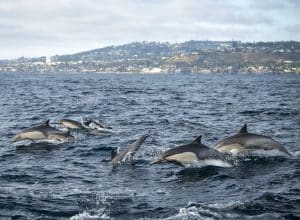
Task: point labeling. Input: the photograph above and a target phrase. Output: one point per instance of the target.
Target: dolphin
(62, 137)
(70, 124)
(39, 132)
(243, 141)
(93, 125)
(193, 154)
(128, 153)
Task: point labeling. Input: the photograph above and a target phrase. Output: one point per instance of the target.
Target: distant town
(154, 57)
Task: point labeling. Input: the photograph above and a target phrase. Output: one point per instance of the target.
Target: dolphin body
(40, 132)
(243, 142)
(70, 124)
(62, 137)
(193, 154)
(128, 153)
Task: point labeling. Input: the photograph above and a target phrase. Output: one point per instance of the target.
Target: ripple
(76, 180)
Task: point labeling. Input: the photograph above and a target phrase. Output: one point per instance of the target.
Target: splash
(208, 162)
(87, 216)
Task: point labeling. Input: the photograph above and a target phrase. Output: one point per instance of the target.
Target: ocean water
(76, 181)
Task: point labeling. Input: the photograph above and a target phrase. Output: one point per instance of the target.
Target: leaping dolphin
(40, 132)
(128, 153)
(193, 154)
(243, 141)
(94, 126)
(90, 124)
(70, 124)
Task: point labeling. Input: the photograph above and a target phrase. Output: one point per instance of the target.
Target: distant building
(48, 60)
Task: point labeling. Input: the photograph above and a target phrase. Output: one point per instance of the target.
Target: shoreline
(148, 73)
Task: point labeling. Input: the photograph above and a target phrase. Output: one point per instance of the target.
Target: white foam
(100, 131)
(194, 212)
(23, 143)
(208, 162)
(266, 153)
(47, 141)
(86, 216)
(296, 153)
(216, 211)
(259, 153)
(54, 141)
(235, 151)
(190, 212)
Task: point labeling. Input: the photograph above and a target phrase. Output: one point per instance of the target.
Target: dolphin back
(194, 151)
(39, 132)
(257, 142)
(244, 141)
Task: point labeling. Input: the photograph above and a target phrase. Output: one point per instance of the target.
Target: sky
(34, 28)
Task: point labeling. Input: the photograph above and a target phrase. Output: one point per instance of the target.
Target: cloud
(34, 28)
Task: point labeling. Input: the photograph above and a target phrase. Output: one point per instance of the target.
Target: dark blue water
(76, 180)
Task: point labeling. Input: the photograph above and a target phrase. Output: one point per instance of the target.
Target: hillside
(187, 57)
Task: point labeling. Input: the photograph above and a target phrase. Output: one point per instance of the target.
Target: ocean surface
(76, 181)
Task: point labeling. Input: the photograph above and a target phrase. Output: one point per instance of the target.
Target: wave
(296, 154)
(208, 162)
(45, 141)
(89, 216)
(266, 206)
(260, 153)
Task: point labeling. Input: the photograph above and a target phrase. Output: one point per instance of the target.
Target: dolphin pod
(194, 153)
(45, 131)
(87, 124)
(191, 154)
(243, 142)
(42, 132)
(199, 154)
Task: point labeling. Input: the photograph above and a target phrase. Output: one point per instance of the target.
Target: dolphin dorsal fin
(243, 129)
(114, 153)
(198, 140)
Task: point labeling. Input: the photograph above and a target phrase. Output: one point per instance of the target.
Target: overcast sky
(49, 27)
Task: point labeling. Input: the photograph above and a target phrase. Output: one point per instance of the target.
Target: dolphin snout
(156, 161)
(15, 139)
